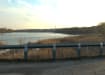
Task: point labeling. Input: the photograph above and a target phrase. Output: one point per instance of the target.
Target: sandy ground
(77, 67)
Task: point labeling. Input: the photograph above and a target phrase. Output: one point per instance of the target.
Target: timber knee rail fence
(54, 47)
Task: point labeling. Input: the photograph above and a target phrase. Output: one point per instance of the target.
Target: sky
(39, 14)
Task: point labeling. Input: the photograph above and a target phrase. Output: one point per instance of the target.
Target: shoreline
(61, 53)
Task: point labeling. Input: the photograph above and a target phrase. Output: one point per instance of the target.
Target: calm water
(24, 37)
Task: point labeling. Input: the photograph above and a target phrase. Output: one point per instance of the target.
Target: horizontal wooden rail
(51, 45)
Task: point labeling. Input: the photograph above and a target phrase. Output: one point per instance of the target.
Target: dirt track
(77, 67)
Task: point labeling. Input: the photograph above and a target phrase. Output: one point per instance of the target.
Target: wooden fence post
(101, 48)
(54, 52)
(78, 50)
(26, 52)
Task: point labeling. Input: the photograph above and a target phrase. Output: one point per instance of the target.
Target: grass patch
(45, 54)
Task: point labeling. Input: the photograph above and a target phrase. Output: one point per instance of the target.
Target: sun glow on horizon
(41, 14)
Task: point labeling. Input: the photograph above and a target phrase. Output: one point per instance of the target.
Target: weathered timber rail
(55, 46)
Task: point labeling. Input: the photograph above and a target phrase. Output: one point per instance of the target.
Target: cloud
(48, 13)
(24, 15)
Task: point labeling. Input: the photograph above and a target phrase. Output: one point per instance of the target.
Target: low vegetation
(61, 53)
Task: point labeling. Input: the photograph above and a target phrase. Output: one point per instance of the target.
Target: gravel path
(77, 67)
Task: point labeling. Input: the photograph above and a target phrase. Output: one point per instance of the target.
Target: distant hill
(5, 30)
(75, 30)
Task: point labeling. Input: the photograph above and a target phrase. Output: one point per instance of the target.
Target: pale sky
(20, 14)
